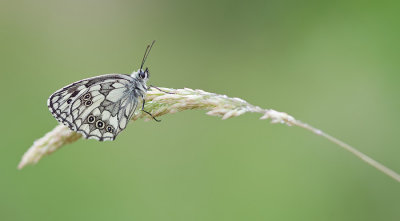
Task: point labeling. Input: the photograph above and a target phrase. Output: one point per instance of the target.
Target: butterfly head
(141, 75)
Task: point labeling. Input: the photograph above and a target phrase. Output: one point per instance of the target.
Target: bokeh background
(333, 64)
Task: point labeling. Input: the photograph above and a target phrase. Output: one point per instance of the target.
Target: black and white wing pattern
(98, 108)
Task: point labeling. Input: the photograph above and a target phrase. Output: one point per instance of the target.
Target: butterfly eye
(100, 124)
(69, 101)
(109, 129)
(87, 96)
(142, 75)
(88, 103)
(91, 119)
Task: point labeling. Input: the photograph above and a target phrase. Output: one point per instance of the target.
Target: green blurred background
(333, 64)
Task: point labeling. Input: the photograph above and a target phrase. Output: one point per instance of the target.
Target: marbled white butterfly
(101, 107)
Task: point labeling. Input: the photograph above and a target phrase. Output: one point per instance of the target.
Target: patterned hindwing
(98, 108)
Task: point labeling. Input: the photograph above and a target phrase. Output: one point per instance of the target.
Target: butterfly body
(100, 107)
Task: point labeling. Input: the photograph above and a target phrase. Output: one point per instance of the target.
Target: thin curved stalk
(175, 100)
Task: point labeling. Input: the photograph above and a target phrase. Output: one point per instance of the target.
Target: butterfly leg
(149, 112)
(160, 89)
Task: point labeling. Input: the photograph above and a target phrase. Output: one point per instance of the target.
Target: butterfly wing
(98, 108)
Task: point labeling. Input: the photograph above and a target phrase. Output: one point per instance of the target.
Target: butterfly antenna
(146, 54)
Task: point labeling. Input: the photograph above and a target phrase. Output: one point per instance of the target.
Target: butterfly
(100, 107)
